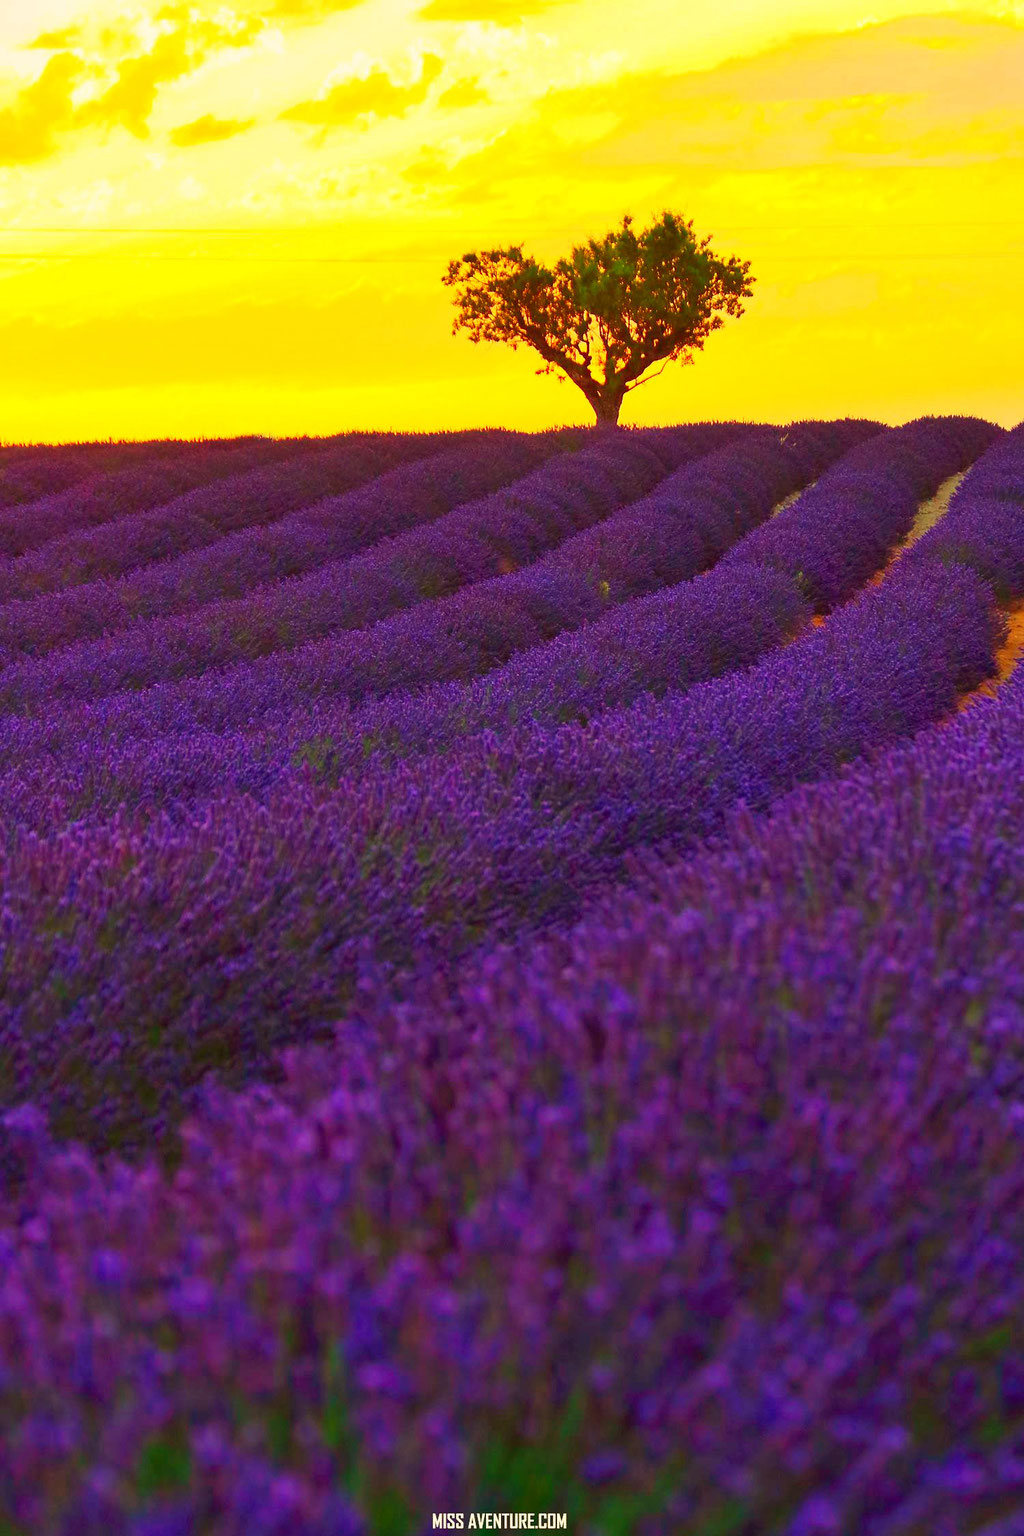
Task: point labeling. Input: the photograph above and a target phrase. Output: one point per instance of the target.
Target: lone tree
(610, 311)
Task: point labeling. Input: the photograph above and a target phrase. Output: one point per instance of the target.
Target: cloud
(957, 58)
(209, 130)
(375, 94)
(307, 10)
(464, 93)
(30, 128)
(503, 13)
(925, 91)
(66, 37)
(126, 70)
(129, 101)
(427, 170)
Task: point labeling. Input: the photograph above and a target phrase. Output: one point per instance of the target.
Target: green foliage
(729, 1520)
(164, 1466)
(993, 1344)
(518, 1476)
(335, 1426)
(317, 753)
(526, 1475)
(389, 1513)
(607, 313)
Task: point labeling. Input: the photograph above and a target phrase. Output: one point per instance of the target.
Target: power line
(847, 257)
(356, 261)
(321, 229)
(282, 231)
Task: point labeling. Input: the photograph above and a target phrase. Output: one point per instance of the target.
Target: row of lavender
(322, 530)
(258, 494)
(140, 957)
(708, 502)
(100, 498)
(419, 493)
(477, 538)
(705, 1216)
(28, 474)
(668, 634)
(675, 636)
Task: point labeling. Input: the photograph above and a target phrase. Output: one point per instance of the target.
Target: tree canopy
(609, 312)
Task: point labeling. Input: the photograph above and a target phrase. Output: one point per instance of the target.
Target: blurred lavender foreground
(619, 1028)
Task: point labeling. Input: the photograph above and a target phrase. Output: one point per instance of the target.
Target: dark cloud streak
(30, 128)
(209, 130)
(52, 42)
(44, 114)
(504, 13)
(375, 95)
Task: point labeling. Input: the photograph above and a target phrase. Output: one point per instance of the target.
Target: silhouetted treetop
(607, 313)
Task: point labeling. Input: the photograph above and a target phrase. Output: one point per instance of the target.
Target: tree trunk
(606, 408)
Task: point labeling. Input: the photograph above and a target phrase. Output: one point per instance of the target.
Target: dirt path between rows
(1012, 649)
(1007, 656)
(928, 514)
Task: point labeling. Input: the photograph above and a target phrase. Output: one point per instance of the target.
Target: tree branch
(637, 382)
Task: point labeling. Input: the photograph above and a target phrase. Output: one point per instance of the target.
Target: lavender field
(512, 982)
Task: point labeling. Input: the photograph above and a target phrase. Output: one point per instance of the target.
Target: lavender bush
(619, 1115)
(28, 473)
(468, 543)
(869, 510)
(101, 498)
(205, 514)
(696, 631)
(982, 527)
(332, 528)
(651, 644)
(670, 639)
(477, 628)
(703, 1216)
(149, 956)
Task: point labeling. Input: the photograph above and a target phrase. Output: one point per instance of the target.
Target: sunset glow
(228, 218)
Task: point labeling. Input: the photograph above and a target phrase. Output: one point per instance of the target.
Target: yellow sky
(224, 218)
